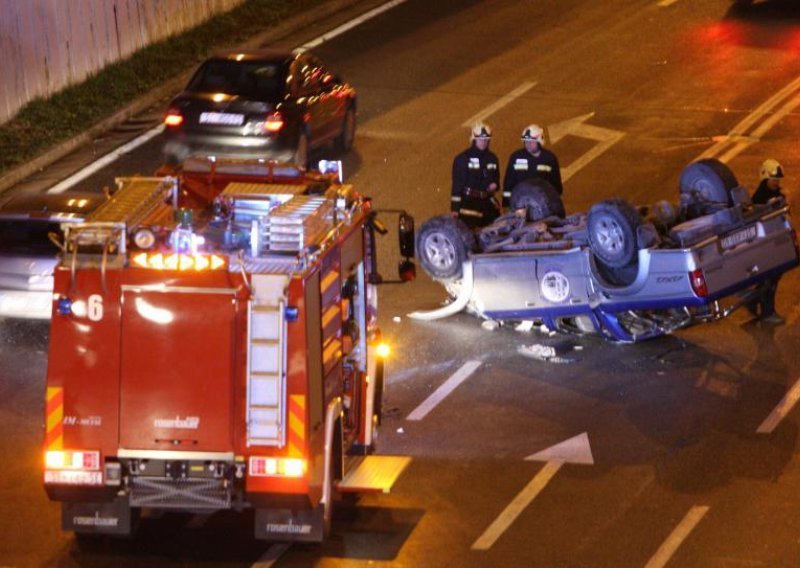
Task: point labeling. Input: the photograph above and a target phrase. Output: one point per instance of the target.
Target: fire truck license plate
(226, 118)
(739, 237)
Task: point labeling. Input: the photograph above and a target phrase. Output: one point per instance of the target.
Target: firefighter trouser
(478, 212)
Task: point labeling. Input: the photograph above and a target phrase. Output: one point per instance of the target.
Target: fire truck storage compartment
(177, 369)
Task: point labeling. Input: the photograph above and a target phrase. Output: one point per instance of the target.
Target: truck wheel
(443, 244)
(708, 181)
(538, 197)
(612, 225)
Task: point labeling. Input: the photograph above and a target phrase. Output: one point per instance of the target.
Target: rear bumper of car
(23, 304)
(271, 148)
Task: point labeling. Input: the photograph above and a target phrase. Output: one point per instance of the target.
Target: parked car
(270, 104)
(28, 254)
(627, 273)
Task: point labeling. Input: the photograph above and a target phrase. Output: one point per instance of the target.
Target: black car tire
(348, 134)
(708, 181)
(300, 157)
(443, 244)
(612, 227)
(538, 197)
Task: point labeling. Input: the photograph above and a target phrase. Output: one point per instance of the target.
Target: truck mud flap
(290, 525)
(114, 517)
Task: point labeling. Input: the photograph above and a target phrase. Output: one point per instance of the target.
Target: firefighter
(533, 160)
(476, 177)
(769, 188)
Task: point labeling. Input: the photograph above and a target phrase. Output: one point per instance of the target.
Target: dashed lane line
(681, 532)
(519, 504)
(351, 24)
(503, 101)
(444, 389)
(779, 412)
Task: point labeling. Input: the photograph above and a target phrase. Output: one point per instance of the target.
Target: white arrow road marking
(577, 127)
(779, 412)
(669, 546)
(738, 136)
(272, 555)
(493, 108)
(575, 450)
(444, 389)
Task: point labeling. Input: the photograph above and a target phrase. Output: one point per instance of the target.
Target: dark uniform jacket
(764, 193)
(473, 171)
(523, 165)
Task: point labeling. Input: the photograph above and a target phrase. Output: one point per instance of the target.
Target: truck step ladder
(266, 365)
(373, 474)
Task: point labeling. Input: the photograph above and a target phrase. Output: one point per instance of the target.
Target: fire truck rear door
(177, 369)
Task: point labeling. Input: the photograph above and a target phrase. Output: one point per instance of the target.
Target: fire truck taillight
(273, 122)
(72, 467)
(276, 467)
(181, 262)
(173, 118)
(698, 280)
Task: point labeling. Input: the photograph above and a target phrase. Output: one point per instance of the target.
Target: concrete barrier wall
(46, 45)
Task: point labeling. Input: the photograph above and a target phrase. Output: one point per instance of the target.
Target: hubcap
(610, 236)
(440, 251)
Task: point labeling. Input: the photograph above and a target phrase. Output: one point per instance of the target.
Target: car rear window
(27, 237)
(250, 79)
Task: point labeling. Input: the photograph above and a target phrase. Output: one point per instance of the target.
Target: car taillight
(273, 122)
(173, 118)
(698, 280)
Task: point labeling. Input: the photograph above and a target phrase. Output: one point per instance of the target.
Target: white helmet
(481, 131)
(533, 132)
(771, 169)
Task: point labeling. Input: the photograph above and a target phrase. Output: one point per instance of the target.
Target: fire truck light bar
(180, 262)
(274, 467)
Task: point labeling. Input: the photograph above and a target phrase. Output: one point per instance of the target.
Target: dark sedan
(269, 104)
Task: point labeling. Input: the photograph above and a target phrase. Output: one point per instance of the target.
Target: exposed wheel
(348, 134)
(538, 197)
(708, 181)
(443, 244)
(612, 225)
(301, 151)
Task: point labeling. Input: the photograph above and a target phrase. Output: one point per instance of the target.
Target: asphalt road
(640, 455)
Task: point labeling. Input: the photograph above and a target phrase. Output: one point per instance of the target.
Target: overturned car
(628, 273)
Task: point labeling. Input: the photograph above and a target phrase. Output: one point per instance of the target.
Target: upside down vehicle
(213, 347)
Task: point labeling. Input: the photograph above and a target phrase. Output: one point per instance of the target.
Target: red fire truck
(214, 346)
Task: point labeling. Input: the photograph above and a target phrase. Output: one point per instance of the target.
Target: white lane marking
(664, 3)
(738, 135)
(272, 555)
(575, 450)
(515, 508)
(503, 101)
(136, 142)
(756, 135)
(444, 389)
(779, 412)
(105, 160)
(669, 546)
(577, 127)
(351, 24)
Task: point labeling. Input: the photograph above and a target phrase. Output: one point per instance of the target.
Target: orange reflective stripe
(297, 425)
(54, 436)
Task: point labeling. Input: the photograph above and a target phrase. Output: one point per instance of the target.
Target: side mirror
(405, 230)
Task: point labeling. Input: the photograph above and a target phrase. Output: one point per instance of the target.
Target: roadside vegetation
(42, 123)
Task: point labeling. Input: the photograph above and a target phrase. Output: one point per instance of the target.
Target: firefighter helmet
(481, 131)
(533, 132)
(771, 169)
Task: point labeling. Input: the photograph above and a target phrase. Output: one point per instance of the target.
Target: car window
(23, 236)
(249, 79)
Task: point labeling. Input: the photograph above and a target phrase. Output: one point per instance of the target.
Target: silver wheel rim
(610, 236)
(440, 251)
